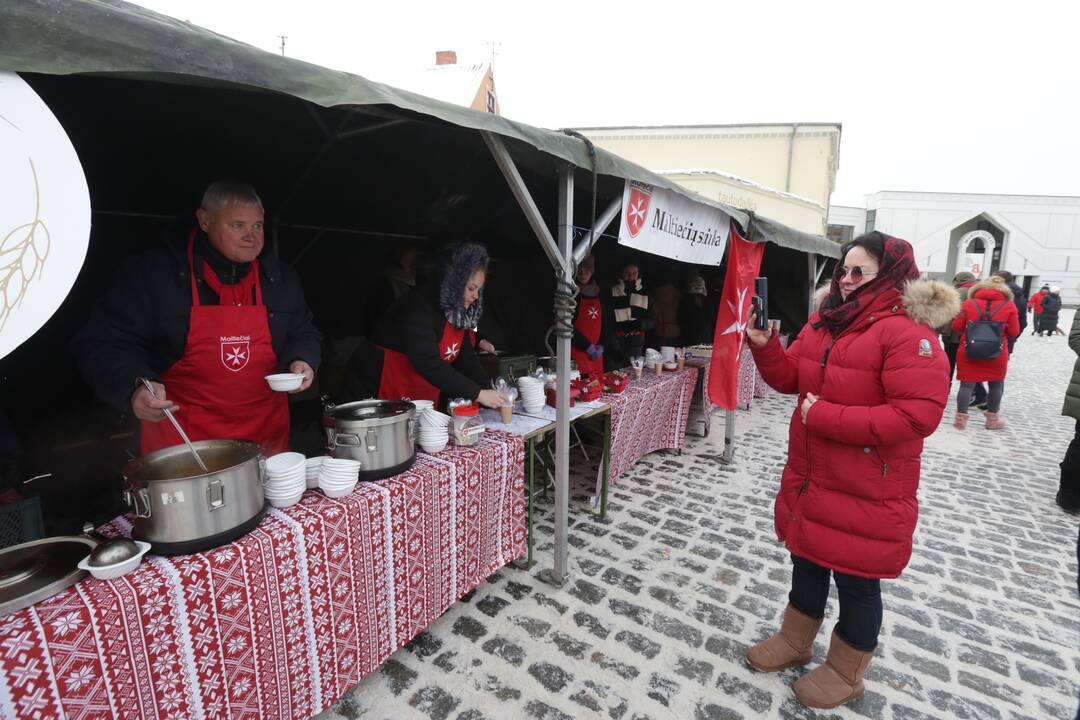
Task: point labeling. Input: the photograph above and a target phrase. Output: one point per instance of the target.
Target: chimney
(445, 57)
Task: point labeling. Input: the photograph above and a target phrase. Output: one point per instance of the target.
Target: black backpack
(983, 336)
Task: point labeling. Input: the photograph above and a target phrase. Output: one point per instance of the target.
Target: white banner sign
(44, 215)
(666, 223)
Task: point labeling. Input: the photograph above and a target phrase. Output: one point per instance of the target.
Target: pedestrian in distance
(872, 382)
(984, 357)
(1035, 307)
(1051, 308)
(951, 338)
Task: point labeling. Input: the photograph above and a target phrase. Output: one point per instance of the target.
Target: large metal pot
(377, 433)
(179, 509)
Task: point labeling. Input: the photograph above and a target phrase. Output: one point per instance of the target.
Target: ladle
(180, 430)
(110, 550)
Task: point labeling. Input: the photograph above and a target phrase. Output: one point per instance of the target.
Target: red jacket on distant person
(984, 297)
(847, 498)
(1035, 303)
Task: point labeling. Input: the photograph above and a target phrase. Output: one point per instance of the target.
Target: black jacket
(140, 328)
(1051, 306)
(1021, 300)
(414, 326)
(696, 323)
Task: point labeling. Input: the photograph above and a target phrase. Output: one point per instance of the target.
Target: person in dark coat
(872, 383)
(204, 318)
(1020, 298)
(1051, 307)
(993, 300)
(697, 316)
(631, 312)
(951, 338)
(423, 349)
(1068, 495)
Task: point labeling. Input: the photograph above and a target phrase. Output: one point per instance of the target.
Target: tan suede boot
(838, 680)
(994, 421)
(792, 645)
(961, 421)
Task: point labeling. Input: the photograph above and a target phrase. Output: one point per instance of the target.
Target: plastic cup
(659, 368)
(637, 373)
(507, 414)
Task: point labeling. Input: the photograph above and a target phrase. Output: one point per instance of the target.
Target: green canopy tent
(156, 108)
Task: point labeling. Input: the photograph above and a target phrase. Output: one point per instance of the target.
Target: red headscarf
(897, 269)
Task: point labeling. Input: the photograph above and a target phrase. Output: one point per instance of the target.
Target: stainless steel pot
(377, 433)
(180, 509)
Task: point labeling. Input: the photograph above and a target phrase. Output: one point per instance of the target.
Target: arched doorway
(975, 253)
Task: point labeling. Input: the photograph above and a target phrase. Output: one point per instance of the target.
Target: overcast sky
(942, 96)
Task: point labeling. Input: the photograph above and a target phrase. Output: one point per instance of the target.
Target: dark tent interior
(343, 187)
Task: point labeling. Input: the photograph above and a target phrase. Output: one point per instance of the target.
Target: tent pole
(815, 273)
(558, 575)
(521, 194)
(602, 222)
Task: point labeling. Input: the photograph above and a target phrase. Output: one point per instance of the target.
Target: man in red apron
(586, 347)
(245, 319)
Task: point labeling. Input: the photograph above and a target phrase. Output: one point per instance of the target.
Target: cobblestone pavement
(666, 595)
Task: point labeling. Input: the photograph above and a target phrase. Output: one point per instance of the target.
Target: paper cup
(507, 414)
(659, 368)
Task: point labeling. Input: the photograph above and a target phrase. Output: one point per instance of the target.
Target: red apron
(219, 382)
(399, 378)
(588, 323)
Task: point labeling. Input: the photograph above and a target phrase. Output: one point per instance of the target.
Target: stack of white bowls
(422, 406)
(532, 393)
(338, 476)
(285, 479)
(434, 431)
(311, 470)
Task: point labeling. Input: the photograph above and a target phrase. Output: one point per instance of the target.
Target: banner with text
(666, 223)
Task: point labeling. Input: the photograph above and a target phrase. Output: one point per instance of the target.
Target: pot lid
(371, 409)
(37, 570)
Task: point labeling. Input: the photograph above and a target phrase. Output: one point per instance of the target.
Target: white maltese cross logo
(235, 355)
(593, 313)
(739, 326)
(452, 352)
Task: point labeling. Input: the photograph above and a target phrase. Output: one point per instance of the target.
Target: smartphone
(760, 303)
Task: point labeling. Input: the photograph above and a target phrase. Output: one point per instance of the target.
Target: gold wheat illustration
(23, 252)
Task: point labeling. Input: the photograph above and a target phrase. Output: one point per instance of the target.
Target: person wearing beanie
(951, 338)
(1051, 307)
(990, 300)
(697, 316)
(587, 346)
(423, 349)
(632, 312)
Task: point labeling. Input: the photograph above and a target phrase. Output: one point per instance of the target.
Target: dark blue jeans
(860, 601)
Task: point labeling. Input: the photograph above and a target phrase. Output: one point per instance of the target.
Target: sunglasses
(856, 273)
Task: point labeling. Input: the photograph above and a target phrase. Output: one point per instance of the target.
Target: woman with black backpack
(987, 319)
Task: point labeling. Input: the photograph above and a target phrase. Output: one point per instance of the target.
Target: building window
(841, 234)
(871, 216)
(491, 101)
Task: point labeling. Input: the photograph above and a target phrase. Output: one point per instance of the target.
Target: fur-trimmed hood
(992, 283)
(925, 301)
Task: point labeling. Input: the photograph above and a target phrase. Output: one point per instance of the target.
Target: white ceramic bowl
(283, 462)
(671, 365)
(279, 489)
(422, 405)
(432, 448)
(287, 501)
(109, 572)
(339, 492)
(285, 382)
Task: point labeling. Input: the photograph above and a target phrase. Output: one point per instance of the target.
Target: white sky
(940, 96)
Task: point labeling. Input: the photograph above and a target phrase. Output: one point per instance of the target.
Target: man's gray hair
(223, 192)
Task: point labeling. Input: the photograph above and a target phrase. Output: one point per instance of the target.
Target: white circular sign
(44, 215)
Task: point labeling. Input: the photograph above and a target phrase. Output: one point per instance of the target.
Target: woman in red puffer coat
(990, 299)
(873, 381)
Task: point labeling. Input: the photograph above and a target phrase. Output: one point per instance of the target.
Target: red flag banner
(744, 262)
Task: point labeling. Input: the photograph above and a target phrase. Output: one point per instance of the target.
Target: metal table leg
(531, 478)
(606, 462)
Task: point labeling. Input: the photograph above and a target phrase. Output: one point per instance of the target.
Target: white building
(1035, 237)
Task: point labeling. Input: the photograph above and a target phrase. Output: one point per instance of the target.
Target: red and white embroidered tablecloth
(282, 622)
(649, 415)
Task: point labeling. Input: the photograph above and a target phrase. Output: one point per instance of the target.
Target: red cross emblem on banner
(637, 207)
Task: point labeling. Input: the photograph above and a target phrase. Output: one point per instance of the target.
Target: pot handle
(215, 494)
(133, 496)
(347, 439)
(262, 470)
(372, 440)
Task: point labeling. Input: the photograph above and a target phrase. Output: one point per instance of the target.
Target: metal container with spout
(377, 433)
(180, 509)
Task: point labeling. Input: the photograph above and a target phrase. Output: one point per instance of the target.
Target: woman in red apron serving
(423, 349)
(244, 314)
(586, 347)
